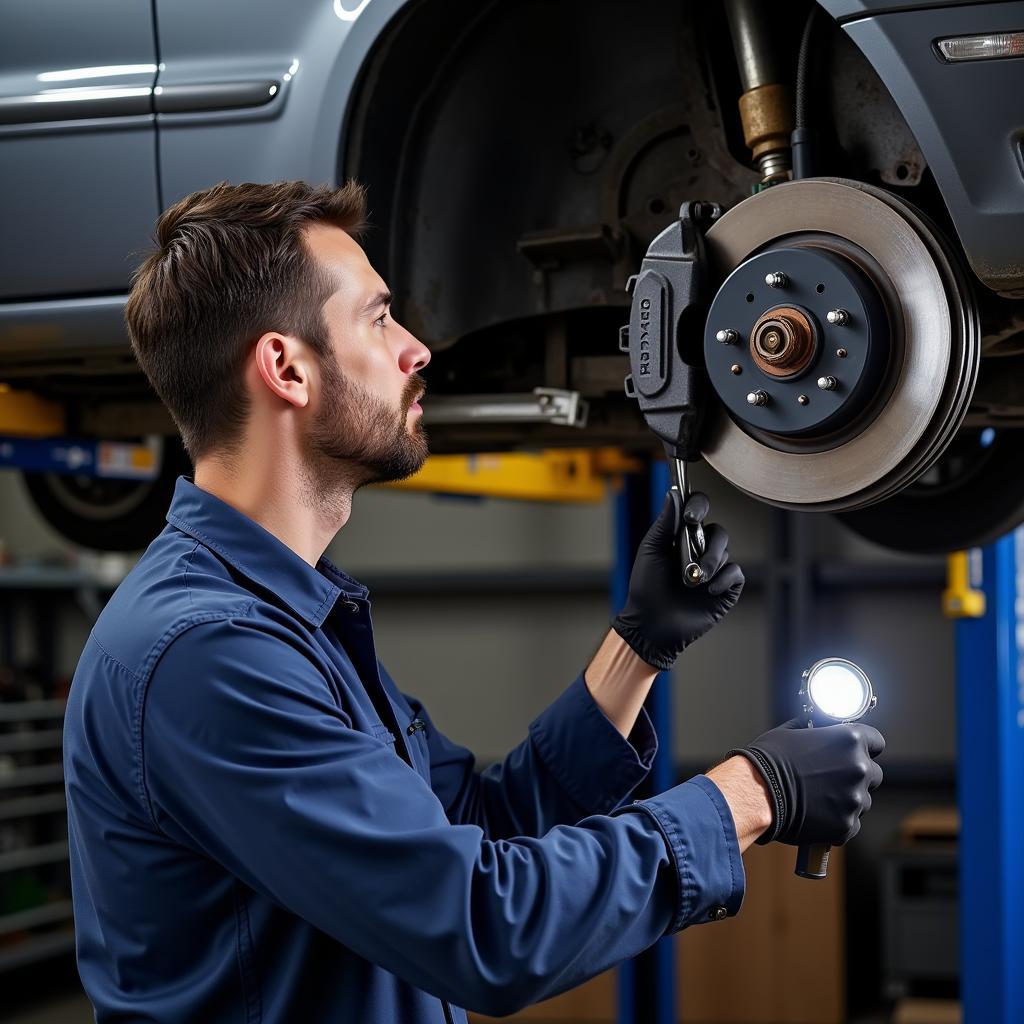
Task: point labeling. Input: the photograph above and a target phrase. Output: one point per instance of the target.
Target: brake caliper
(670, 297)
(664, 342)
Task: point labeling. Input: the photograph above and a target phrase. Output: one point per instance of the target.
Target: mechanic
(262, 826)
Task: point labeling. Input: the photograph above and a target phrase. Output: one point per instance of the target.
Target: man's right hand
(820, 780)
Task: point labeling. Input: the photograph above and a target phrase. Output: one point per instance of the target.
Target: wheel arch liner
(968, 120)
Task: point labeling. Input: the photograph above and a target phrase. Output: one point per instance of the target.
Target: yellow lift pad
(23, 414)
(960, 600)
(561, 474)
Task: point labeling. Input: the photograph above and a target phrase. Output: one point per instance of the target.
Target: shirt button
(351, 606)
(718, 914)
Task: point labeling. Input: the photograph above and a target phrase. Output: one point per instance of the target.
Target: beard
(358, 439)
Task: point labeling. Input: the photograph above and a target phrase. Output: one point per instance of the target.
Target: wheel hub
(841, 344)
(816, 373)
(782, 342)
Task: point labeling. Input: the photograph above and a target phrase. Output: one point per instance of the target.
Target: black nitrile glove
(663, 615)
(820, 779)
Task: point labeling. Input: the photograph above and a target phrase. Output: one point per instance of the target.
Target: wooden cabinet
(780, 961)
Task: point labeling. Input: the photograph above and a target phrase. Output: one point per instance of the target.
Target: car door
(78, 169)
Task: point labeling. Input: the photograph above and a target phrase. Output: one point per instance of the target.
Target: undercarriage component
(766, 106)
(895, 363)
(542, 405)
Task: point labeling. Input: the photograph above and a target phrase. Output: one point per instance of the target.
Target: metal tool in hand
(836, 689)
(689, 536)
(664, 339)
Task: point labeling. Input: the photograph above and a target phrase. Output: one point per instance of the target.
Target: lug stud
(802, 399)
(777, 279)
(758, 397)
(838, 317)
(736, 369)
(828, 383)
(841, 352)
(727, 336)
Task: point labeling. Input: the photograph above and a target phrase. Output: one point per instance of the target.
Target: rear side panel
(311, 50)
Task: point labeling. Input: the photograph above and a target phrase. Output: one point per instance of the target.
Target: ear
(285, 366)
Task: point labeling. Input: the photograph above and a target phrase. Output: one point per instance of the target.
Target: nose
(414, 354)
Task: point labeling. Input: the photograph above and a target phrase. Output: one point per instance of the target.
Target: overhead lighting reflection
(104, 93)
(104, 71)
(347, 13)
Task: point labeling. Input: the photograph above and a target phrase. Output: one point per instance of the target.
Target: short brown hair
(231, 264)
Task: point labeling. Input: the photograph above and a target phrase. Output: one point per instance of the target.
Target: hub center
(782, 342)
(797, 342)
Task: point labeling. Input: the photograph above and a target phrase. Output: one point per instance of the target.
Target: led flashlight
(837, 689)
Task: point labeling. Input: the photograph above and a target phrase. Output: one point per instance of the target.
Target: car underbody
(521, 157)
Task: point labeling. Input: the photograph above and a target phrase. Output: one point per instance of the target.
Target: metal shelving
(35, 903)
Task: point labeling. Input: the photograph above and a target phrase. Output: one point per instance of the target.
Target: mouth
(415, 406)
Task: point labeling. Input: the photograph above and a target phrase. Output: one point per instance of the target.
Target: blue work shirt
(264, 829)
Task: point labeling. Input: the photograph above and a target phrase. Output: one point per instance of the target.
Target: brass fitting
(767, 116)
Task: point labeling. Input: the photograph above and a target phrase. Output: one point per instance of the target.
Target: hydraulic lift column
(990, 756)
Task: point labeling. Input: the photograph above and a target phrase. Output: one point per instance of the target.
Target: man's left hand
(662, 615)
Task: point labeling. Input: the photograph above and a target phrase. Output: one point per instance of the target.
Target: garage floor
(75, 1009)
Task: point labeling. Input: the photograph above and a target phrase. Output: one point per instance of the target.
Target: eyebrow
(380, 299)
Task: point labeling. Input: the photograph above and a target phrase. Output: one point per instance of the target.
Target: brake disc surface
(905, 416)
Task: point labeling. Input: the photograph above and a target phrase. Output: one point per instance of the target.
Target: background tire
(971, 496)
(109, 515)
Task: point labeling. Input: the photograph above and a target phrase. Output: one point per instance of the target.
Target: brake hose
(800, 140)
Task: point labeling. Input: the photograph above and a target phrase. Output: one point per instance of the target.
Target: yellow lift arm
(563, 474)
(560, 474)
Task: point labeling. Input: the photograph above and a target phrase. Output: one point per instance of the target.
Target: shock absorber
(766, 107)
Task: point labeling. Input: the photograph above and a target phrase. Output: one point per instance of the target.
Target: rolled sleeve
(701, 836)
(587, 755)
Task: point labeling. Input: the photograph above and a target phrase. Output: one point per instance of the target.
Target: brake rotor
(844, 345)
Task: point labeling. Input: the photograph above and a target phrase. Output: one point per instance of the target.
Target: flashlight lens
(839, 690)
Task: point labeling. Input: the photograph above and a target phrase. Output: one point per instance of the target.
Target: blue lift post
(657, 1005)
(990, 740)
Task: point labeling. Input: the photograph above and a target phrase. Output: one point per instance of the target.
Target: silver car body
(96, 136)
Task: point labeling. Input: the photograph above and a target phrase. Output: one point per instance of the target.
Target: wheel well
(521, 155)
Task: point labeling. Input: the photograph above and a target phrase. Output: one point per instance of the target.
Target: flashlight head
(837, 689)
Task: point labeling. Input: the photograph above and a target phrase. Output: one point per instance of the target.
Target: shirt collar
(257, 554)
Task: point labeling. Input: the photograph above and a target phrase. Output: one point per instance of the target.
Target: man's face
(368, 413)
